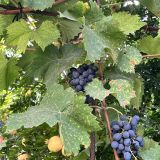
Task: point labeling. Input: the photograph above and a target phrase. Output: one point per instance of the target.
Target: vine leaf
(50, 64)
(127, 23)
(122, 90)
(9, 71)
(110, 35)
(38, 4)
(95, 13)
(69, 29)
(65, 108)
(139, 90)
(152, 5)
(128, 60)
(93, 44)
(5, 20)
(19, 34)
(149, 45)
(151, 148)
(96, 90)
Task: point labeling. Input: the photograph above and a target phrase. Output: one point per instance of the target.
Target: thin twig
(104, 107)
(92, 146)
(151, 56)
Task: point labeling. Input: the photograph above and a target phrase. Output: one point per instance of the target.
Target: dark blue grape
(90, 77)
(90, 71)
(134, 122)
(117, 136)
(116, 127)
(123, 117)
(82, 82)
(75, 74)
(127, 142)
(81, 77)
(85, 74)
(136, 117)
(79, 88)
(121, 147)
(75, 82)
(85, 66)
(127, 127)
(89, 100)
(127, 148)
(73, 69)
(120, 123)
(114, 144)
(131, 133)
(136, 145)
(114, 123)
(141, 144)
(127, 155)
(125, 134)
(139, 139)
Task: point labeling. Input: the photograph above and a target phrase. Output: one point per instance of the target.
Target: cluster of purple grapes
(125, 139)
(79, 77)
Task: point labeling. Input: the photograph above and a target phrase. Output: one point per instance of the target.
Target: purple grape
(85, 74)
(123, 117)
(120, 123)
(131, 133)
(141, 144)
(134, 122)
(127, 142)
(82, 82)
(136, 117)
(117, 136)
(81, 77)
(74, 82)
(136, 145)
(114, 123)
(121, 147)
(114, 144)
(90, 77)
(127, 149)
(139, 139)
(125, 134)
(90, 71)
(127, 156)
(79, 88)
(127, 127)
(75, 74)
(116, 127)
(89, 100)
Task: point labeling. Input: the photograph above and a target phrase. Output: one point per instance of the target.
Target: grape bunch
(79, 77)
(125, 139)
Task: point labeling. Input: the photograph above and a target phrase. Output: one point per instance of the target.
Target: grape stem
(104, 107)
(115, 110)
(133, 155)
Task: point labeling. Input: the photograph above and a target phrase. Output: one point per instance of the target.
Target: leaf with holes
(96, 90)
(65, 108)
(122, 90)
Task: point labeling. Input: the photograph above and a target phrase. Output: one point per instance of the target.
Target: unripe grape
(55, 144)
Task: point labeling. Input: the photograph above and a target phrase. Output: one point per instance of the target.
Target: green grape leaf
(149, 45)
(93, 44)
(46, 34)
(38, 4)
(152, 5)
(151, 149)
(127, 23)
(122, 90)
(9, 71)
(60, 106)
(19, 34)
(94, 14)
(139, 90)
(96, 90)
(69, 29)
(112, 37)
(5, 20)
(129, 59)
(50, 64)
